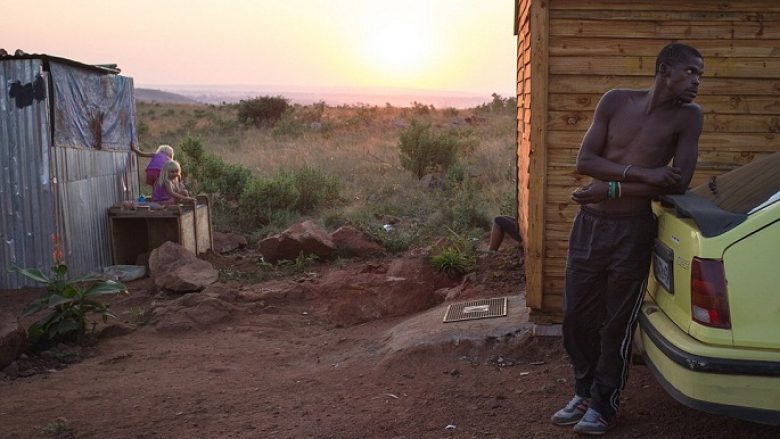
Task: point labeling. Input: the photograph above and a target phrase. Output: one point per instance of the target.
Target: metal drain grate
(476, 309)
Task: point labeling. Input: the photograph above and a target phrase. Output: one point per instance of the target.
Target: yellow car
(709, 328)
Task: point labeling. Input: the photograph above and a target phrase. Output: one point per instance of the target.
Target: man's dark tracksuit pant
(608, 262)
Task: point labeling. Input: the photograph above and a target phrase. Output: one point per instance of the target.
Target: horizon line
(380, 90)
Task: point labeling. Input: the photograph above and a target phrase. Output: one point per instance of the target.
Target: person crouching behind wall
(503, 225)
(163, 155)
(169, 189)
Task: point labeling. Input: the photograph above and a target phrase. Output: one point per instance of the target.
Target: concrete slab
(427, 328)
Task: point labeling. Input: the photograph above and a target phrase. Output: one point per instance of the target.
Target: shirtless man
(626, 150)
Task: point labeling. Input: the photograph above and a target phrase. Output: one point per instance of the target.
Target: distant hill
(163, 97)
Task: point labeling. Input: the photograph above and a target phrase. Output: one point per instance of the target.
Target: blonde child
(168, 189)
(163, 155)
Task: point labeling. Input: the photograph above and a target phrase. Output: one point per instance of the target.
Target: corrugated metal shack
(569, 52)
(65, 135)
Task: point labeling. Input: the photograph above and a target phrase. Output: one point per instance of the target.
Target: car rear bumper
(707, 378)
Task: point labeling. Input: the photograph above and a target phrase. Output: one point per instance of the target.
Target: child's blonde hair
(165, 172)
(166, 149)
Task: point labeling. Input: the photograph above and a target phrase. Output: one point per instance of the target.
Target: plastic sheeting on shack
(65, 134)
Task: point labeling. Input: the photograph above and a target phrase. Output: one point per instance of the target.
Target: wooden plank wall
(596, 45)
(523, 119)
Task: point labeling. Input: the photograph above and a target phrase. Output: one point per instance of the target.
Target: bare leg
(496, 237)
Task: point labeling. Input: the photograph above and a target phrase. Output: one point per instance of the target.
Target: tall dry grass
(359, 145)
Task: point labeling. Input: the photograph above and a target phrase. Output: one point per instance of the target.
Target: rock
(418, 266)
(351, 242)
(12, 339)
(222, 292)
(11, 370)
(355, 296)
(227, 242)
(194, 310)
(175, 268)
(173, 323)
(304, 238)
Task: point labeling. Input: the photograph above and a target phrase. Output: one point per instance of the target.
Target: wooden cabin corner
(569, 52)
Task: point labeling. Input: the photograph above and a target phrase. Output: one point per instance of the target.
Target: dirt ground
(280, 369)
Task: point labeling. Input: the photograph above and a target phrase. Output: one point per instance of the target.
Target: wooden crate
(135, 233)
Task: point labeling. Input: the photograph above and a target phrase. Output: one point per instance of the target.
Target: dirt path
(282, 372)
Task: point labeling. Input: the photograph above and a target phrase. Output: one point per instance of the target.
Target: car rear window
(746, 189)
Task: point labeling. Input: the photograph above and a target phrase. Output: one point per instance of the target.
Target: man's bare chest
(641, 134)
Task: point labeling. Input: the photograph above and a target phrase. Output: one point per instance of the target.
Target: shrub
(311, 113)
(265, 110)
(422, 109)
(288, 125)
(290, 193)
(262, 198)
(498, 105)
(314, 186)
(424, 150)
(364, 115)
(469, 211)
(209, 174)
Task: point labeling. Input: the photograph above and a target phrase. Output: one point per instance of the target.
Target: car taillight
(709, 302)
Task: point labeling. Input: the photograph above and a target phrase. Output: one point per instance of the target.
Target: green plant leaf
(105, 287)
(90, 277)
(32, 273)
(35, 306)
(91, 305)
(57, 300)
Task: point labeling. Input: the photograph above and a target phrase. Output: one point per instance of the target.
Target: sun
(397, 50)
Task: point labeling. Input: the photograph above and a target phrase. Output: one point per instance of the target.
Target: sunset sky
(453, 45)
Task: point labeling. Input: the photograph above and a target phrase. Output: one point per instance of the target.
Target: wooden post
(534, 258)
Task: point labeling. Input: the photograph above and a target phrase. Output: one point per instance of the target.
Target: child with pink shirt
(168, 189)
(163, 155)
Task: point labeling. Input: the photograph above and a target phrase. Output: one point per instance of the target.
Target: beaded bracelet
(611, 190)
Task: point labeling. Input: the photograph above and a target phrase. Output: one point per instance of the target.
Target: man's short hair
(675, 53)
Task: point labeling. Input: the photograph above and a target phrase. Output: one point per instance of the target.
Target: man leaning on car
(634, 135)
